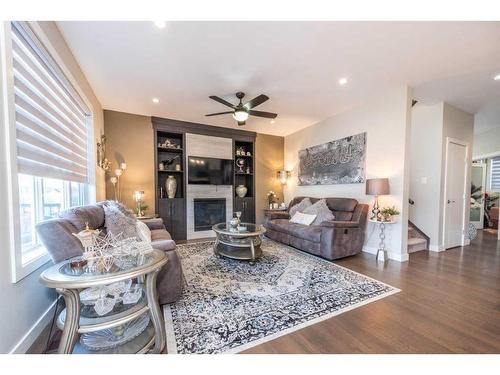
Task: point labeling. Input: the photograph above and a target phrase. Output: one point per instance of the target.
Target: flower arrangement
(387, 213)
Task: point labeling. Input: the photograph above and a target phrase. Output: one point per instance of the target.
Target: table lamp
(138, 197)
(376, 187)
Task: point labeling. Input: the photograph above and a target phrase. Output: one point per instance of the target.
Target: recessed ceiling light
(156, 100)
(342, 81)
(497, 77)
(160, 24)
(272, 121)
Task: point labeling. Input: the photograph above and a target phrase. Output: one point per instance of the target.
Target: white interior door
(478, 182)
(456, 162)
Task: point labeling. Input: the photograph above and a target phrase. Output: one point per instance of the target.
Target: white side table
(381, 246)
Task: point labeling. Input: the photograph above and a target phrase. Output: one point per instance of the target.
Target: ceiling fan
(242, 111)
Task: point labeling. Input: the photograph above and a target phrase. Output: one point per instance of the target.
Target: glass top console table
(110, 312)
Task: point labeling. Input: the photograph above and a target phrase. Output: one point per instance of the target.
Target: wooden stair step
(416, 244)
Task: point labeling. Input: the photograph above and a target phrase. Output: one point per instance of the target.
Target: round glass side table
(74, 320)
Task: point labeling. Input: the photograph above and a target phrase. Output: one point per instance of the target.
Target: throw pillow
(321, 210)
(143, 231)
(300, 207)
(304, 219)
(117, 222)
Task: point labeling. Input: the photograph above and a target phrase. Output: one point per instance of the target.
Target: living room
(193, 187)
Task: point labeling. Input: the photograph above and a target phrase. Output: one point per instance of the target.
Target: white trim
(18, 269)
(394, 256)
(480, 224)
(18, 272)
(486, 156)
(171, 343)
(465, 194)
(36, 329)
(436, 248)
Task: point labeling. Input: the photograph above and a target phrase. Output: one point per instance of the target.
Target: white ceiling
(297, 64)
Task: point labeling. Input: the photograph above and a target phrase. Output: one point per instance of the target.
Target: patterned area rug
(230, 305)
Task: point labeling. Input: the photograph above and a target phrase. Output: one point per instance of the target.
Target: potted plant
(388, 213)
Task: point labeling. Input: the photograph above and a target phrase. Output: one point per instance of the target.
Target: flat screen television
(210, 171)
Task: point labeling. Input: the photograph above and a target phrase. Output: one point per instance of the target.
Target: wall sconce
(283, 176)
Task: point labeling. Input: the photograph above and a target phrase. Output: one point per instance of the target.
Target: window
(41, 199)
(48, 132)
(495, 174)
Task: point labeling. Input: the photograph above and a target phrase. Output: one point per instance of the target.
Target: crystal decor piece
(113, 337)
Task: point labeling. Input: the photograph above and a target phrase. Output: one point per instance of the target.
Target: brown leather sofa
(56, 235)
(335, 239)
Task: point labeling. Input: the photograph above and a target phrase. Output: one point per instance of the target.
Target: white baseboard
(29, 338)
(393, 256)
(436, 248)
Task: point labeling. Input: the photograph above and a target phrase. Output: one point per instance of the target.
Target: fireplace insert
(207, 212)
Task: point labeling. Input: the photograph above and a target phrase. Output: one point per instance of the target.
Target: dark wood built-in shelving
(173, 211)
(246, 204)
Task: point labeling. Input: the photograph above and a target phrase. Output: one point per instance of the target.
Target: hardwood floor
(449, 303)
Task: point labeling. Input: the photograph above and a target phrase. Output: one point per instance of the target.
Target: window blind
(51, 120)
(495, 174)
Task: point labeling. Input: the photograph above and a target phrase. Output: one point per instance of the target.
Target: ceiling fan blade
(240, 123)
(219, 113)
(222, 101)
(257, 101)
(263, 114)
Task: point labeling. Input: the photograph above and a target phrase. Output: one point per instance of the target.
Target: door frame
(483, 182)
(450, 140)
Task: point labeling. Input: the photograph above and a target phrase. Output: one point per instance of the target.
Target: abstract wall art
(337, 162)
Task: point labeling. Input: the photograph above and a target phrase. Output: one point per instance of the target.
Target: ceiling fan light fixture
(240, 115)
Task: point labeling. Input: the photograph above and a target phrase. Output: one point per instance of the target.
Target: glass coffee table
(242, 242)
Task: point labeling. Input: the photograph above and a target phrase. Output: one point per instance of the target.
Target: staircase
(417, 240)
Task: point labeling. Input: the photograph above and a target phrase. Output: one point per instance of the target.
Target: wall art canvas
(338, 162)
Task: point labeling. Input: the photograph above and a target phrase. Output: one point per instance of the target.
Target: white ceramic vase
(241, 191)
(171, 186)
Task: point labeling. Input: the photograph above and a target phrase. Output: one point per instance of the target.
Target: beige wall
(130, 139)
(386, 122)
(26, 306)
(269, 158)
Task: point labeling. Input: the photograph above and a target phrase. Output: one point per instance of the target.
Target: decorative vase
(241, 191)
(234, 222)
(171, 186)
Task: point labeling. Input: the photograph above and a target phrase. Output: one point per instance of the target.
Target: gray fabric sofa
(57, 236)
(335, 239)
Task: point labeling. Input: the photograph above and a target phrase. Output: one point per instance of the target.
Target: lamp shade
(377, 186)
(138, 195)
